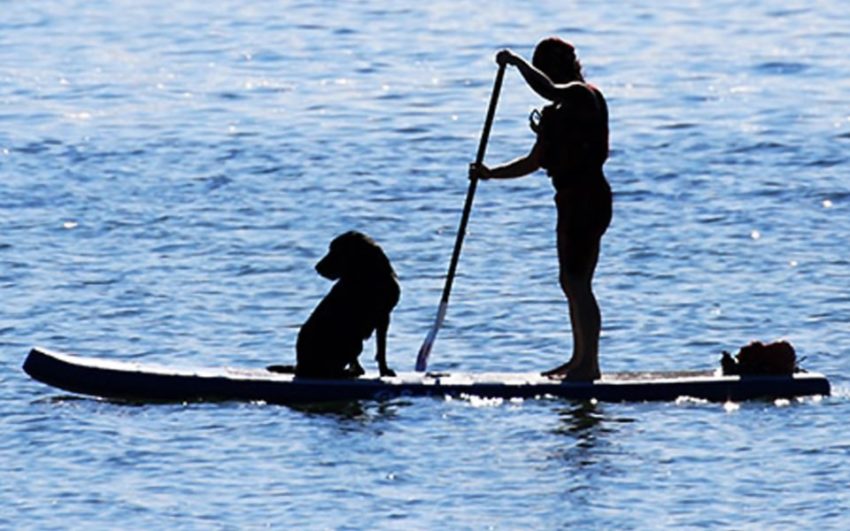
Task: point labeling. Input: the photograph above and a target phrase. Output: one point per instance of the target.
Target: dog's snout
(327, 268)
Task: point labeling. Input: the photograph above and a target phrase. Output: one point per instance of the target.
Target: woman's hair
(557, 59)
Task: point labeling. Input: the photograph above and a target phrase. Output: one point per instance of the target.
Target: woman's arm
(537, 80)
(518, 167)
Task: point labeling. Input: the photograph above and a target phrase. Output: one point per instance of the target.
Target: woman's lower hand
(479, 171)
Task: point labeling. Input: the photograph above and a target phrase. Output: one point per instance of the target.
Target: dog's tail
(281, 369)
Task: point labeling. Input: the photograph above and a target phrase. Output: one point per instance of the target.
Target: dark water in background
(170, 172)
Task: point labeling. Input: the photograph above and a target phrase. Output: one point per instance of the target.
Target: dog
(359, 304)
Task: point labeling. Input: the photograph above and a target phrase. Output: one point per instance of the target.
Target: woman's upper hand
(506, 57)
(479, 171)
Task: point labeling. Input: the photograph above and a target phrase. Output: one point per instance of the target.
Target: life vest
(574, 132)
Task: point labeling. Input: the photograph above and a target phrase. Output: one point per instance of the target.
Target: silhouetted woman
(572, 146)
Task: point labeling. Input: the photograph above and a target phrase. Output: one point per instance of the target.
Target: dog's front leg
(381, 341)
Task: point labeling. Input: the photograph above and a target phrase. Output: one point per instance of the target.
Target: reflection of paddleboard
(140, 382)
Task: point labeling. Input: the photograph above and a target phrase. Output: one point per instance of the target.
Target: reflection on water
(590, 433)
(581, 420)
(583, 431)
(360, 411)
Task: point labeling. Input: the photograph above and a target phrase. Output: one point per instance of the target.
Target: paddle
(425, 351)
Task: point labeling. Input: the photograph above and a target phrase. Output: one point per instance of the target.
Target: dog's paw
(355, 370)
(387, 372)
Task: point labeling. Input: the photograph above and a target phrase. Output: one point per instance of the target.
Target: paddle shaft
(424, 352)
(473, 184)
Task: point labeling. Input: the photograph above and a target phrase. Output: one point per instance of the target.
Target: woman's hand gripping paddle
(425, 351)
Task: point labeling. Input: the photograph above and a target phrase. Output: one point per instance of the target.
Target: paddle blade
(425, 350)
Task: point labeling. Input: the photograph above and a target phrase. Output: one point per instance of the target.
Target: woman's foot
(559, 372)
(569, 372)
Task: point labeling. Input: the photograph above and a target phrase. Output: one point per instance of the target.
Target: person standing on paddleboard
(572, 146)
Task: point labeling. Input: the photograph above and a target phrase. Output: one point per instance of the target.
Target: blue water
(171, 171)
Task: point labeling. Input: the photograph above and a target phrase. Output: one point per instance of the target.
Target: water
(170, 172)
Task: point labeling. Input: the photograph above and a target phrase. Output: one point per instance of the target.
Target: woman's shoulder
(578, 92)
(572, 97)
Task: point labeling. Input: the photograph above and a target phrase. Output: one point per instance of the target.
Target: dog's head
(353, 255)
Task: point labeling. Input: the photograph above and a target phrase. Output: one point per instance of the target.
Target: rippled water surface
(170, 172)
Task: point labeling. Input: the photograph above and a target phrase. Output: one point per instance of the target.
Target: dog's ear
(381, 263)
(368, 259)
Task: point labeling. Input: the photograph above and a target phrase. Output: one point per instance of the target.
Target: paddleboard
(138, 382)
